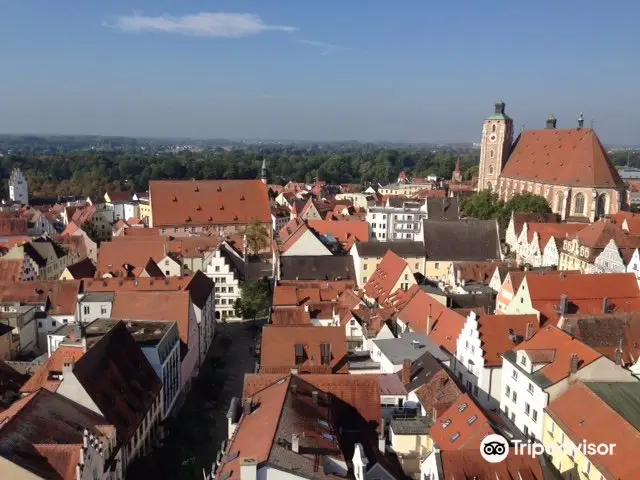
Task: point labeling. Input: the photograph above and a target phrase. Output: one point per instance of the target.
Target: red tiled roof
(494, 334)
(208, 202)
(563, 346)
(480, 272)
(291, 233)
(11, 269)
(598, 234)
(562, 157)
(446, 324)
(61, 295)
(439, 392)
(519, 219)
(13, 227)
(469, 464)
(584, 417)
(346, 232)
(547, 230)
(43, 377)
(453, 430)
(387, 274)
(585, 293)
(168, 305)
(140, 232)
(113, 255)
(278, 353)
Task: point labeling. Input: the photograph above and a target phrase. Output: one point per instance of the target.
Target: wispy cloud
(326, 47)
(205, 24)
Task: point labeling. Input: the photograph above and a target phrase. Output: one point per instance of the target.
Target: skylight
(455, 437)
(472, 420)
(462, 407)
(446, 423)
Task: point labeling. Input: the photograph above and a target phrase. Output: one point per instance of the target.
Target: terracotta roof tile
(13, 227)
(82, 269)
(291, 233)
(11, 269)
(346, 232)
(469, 464)
(60, 295)
(562, 157)
(584, 416)
(151, 305)
(556, 366)
(208, 202)
(439, 392)
(546, 231)
(495, 335)
(278, 349)
(478, 272)
(388, 273)
(461, 427)
(446, 324)
(47, 376)
(519, 219)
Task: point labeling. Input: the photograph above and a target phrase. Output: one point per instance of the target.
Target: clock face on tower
(493, 137)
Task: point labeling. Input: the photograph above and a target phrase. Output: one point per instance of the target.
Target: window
(493, 128)
(526, 430)
(506, 411)
(53, 323)
(364, 279)
(534, 415)
(530, 389)
(491, 153)
(223, 289)
(364, 267)
(587, 466)
(523, 360)
(217, 268)
(86, 310)
(466, 345)
(578, 204)
(417, 266)
(475, 390)
(514, 397)
(166, 262)
(508, 391)
(455, 436)
(103, 310)
(462, 407)
(437, 265)
(514, 375)
(527, 408)
(39, 324)
(231, 290)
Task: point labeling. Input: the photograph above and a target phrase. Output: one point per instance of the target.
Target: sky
(381, 70)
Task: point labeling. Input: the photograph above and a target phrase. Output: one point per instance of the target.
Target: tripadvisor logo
(495, 448)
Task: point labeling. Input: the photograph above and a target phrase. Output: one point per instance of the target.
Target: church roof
(562, 157)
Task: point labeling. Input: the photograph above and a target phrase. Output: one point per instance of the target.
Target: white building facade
(397, 223)
(227, 288)
(18, 187)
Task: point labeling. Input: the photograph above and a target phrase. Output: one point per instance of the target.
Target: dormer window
(523, 360)
(446, 423)
(462, 407)
(299, 353)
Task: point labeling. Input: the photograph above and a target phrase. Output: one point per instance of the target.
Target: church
(567, 166)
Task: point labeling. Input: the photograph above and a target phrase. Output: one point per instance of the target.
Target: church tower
(497, 137)
(263, 171)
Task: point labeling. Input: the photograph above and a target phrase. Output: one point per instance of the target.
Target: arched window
(601, 206)
(490, 169)
(559, 202)
(578, 204)
(493, 129)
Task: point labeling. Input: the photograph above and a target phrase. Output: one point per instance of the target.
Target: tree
(257, 236)
(484, 205)
(254, 299)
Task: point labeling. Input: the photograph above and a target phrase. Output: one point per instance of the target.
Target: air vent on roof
(235, 217)
(219, 189)
(188, 219)
(174, 199)
(221, 207)
(210, 218)
(198, 208)
(196, 189)
(242, 197)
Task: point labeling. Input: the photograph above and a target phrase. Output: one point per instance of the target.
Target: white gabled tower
(18, 188)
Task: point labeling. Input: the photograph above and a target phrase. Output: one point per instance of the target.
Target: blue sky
(409, 70)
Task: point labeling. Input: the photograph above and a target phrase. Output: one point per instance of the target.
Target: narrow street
(195, 434)
(237, 361)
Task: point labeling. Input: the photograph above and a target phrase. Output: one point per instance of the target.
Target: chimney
(605, 305)
(246, 407)
(429, 321)
(529, 331)
(618, 358)
(406, 372)
(573, 368)
(248, 468)
(564, 303)
(295, 443)
(434, 414)
(382, 443)
(580, 122)
(314, 397)
(551, 122)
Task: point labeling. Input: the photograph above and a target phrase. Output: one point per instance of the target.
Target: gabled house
(46, 435)
(392, 274)
(540, 369)
(551, 297)
(480, 345)
(305, 426)
(447, 241)
(303, 349)
(518, 220)
(368, 255)
(83, 269)
(296, 239)
(113, 379)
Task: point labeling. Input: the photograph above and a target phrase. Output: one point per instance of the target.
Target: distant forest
(92, 173)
